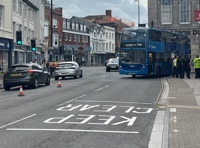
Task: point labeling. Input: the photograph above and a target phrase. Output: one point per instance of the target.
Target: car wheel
(107, 69)
(81, 74)
(7, 88)
(133, 76)
(63, 78)
(56, 78)
(75, 77)
(35, 85)
(48, 81)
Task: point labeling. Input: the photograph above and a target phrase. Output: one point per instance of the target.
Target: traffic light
(61, 49)
(33, 45)
(19, 37)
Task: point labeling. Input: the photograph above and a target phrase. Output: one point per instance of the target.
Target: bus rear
(132, 54)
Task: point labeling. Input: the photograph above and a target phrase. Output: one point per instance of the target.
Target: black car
(30, 74)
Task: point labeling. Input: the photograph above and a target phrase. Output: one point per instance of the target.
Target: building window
(109, 35)
(68, 25)
(1, 16)
(199, 5)
(106, 35)
(78, 38)
(70, 37)
(101, 36)
(166, 8)
(107, 46)
(55, 39)
(185, 11)
(85, 28)
(73, 26)
(83, 38)
(93, 46)
(55, 23)
(25, 12)
(66, 36)
(64, 23)
(81, 27)
(113, 36)
(77, 27)
(94, 34)
(112, 47)
(75, 37)
(86, 39)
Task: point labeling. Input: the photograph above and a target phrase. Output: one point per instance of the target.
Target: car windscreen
(113, 61)
(65, 65)
(18, 68)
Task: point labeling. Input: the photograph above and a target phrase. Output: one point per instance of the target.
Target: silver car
(68, 69)
(113, 64)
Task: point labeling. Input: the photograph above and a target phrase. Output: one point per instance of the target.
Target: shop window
(1, 16)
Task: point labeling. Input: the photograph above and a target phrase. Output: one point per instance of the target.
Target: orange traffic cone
(59, 85)
(21, 91)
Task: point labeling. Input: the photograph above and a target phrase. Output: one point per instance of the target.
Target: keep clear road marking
(72, 130)
(17, 121)
(72, 100)
(102, 88)
(112, 102)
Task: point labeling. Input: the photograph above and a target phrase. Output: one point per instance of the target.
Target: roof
(31, 4)
(90, 17)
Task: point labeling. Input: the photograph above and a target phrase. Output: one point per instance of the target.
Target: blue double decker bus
(148, 51)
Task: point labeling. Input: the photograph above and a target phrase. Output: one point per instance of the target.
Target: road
(100, 110)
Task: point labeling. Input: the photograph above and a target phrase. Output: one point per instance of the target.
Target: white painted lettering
(146, 110)
(107, 108)
(68, 108)
(87, 107)
(129, 110)
(107, 121)
(130, 121)
(58, 119)
(84, 119)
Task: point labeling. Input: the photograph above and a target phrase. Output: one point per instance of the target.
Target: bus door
(151, 62)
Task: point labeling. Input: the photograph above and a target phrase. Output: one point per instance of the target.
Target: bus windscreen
(134, 35)
(132, 56)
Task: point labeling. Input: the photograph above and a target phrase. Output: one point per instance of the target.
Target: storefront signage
(112, 19)
(188, 32)
(197, 15)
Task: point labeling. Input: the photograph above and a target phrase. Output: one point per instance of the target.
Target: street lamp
(138, 11)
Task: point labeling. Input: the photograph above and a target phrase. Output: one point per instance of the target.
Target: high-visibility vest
(197, 62)
(175, 61)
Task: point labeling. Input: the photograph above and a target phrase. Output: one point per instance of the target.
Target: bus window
(134, 35)
(132, 56)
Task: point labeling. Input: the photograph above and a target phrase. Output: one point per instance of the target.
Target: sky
(126, 9)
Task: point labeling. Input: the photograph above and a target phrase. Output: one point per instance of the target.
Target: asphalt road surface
(100, 110)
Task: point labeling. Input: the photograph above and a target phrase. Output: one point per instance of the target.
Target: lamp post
(138, 11)
(197, 41)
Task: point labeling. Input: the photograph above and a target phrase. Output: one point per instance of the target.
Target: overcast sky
(126, 9)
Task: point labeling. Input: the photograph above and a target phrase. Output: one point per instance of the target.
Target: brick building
(57, 37)
(75, 37)
(110, 21)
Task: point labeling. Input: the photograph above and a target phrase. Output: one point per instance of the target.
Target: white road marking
(43, 90)
(111, 102)
(72, 130)
(102, 88)
(72, 100)
(7, 99)
(17, 121)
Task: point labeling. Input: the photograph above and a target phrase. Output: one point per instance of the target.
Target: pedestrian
(179, 67)
(31, 61)
(51, 69)
(186, 67)
(35, 61)
(174, 66)
(47, 66)
(196, 67)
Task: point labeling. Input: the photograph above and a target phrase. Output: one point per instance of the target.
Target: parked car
(113, 64)
(68, 69)
(30, 74)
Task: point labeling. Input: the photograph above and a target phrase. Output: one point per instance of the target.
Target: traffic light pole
(51, 28)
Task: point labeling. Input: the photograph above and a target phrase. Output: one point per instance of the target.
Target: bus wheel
(158, 72)
(133, 76)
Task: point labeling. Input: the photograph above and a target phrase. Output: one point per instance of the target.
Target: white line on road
(72, 130)
(18, 121)
(7, 99)
(111, 102)
(72, 100)
(102, 88)
(43, 90)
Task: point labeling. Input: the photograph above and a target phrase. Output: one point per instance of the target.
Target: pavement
(181, 97)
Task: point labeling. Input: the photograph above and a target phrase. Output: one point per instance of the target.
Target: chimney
(109, 13)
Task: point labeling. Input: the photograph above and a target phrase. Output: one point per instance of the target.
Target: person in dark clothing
(179, 67)
(186, 67)
(47, 66)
